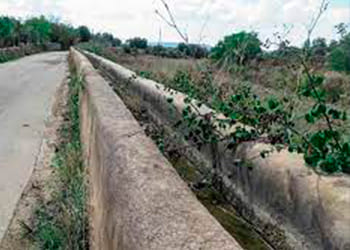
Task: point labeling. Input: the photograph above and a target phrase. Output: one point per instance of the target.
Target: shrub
(137, 42)
(84, 33)
(237, 48)
(335, 85)
(193, 50)
(338, 59)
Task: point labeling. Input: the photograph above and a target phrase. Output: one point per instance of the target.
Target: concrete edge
(137, 199)
(288, 193)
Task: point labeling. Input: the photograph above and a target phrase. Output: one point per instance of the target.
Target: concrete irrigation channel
(290, 206)
(142, 198)
(138, 201)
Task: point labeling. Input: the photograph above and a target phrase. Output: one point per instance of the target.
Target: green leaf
(346, 148)
(320, 109)
(309, 118)
(318, 80)
(272, 103)
(306, 92)
(344, 116)
(334, 113)
(330, 164)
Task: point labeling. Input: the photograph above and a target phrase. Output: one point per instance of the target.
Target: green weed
(61, 223)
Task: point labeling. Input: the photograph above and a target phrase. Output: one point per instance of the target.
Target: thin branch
(323, 7)
(328, 120)
(171, 22)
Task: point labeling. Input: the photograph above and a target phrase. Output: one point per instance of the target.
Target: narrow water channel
(224, 212)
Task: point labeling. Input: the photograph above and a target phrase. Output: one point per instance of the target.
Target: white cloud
(128, 18)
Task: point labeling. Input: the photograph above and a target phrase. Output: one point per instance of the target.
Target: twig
(171, 22)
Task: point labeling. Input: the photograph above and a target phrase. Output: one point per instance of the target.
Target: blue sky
(204, 20)
(342, 2)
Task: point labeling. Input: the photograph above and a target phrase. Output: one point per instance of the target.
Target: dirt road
(27, 88)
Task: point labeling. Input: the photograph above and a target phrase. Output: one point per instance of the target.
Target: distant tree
(319, 47)
(137, 42)
(39, 29)
(341, 29)
(237, 48)
(158, 50)
(332, 45)
(107, 39)
(65, 35)
(84, 33)
(339, 58)
(116, 42)
(6, 30)
(192, 50)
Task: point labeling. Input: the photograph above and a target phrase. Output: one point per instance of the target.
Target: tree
(116, 42)
(84, 33)
(39, 29)
(137, 42)
(332, 45)
(319, 47)
(341, 29)
(192, 50)
(339, 57)
(6, 30)
(237, 48)
(107, 39)
(65, 35)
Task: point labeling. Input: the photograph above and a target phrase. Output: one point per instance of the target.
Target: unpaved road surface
(27, 89)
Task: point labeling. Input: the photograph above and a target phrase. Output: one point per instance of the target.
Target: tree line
(42, 30)
(237, 48)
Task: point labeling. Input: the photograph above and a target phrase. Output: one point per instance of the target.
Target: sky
(205, 21)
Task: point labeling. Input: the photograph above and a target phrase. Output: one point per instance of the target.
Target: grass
(61, 223)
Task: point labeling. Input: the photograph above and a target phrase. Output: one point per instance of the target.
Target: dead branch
(171, 21)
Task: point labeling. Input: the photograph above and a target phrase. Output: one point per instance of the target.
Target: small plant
(62, 223)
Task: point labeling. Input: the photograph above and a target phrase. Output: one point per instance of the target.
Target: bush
(192, 50)
(137, 42)
(237, 48)
(84, 33)
(12, 53)
(339, 57)
(335, 85)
